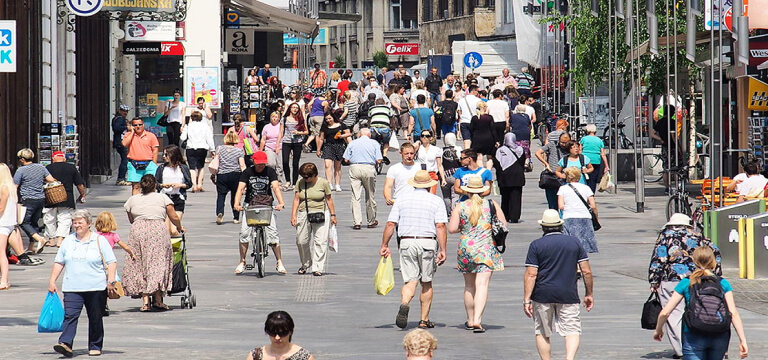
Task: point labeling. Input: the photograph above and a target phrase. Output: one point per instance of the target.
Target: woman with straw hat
(477, 256)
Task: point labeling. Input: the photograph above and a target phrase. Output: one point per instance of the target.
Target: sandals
(145, 308)
(301, 271)
(280, 268)
(5, 286)
(240, 268)
(160, 306)
(478, 329)
(426, 324)
(467, 327)
(317, 273)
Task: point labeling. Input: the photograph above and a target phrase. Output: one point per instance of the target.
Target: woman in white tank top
(8, 220)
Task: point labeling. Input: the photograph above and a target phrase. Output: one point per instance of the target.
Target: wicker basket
(55, 193)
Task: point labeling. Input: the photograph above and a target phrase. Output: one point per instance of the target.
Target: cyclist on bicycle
(381, 126)
(261, 186)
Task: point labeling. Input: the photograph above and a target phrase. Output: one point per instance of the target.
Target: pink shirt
(270, 133)
(112, 237)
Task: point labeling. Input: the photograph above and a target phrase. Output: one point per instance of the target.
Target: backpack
(565, 161)
(448, 111)
(707, 311)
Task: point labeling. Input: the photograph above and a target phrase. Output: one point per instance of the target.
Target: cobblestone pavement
(338, 316)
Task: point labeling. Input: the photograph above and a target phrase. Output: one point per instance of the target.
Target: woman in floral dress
(477, 255)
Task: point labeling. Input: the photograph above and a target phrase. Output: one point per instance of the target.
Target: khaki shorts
(315, 123)
(562, 318)
(417, 259)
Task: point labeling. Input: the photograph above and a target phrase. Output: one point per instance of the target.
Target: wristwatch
(112, 283)
(526, 303)
(334, 215)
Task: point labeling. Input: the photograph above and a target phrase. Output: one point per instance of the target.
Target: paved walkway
(339, 316)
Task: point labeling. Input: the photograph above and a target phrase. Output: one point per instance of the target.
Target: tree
(340, 62)
(380, 59)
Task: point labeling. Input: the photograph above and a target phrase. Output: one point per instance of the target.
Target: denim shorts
(384, 132)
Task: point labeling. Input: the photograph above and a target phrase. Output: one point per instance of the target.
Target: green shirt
(592, 146)
(316, 192)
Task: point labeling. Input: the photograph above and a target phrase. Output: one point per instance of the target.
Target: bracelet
(333, 215)
(526, 303)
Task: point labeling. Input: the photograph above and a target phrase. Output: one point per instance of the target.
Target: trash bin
(724, 228)
(755, 246)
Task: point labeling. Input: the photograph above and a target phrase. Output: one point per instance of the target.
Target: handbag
(595, 224)
(21, 212)
(163, 120)
(498, 230)
(548, 180)
(651, 310)
(213, 166)
(118, 284)
(313, 218)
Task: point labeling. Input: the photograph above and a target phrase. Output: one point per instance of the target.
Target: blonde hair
(231, 138)
(481, 106)
(419, 342)
(475, 209)
(347, 95)
(420, 84)
(105, 222)
(572, 174)
(6, 179)
(26, 154)
(591, 128)
(335, 76)
(704, 259)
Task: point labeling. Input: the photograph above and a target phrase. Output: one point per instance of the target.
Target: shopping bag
(333, 239)
(604, 182)
(393, 142)
(51, 315)
(651, 310)
(213, 166)
(384, 279)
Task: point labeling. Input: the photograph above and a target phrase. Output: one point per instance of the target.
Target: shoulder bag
(163, 120)
(118, 284)
(595, 224)
(498, 230)
(316, 217)
(548, 180)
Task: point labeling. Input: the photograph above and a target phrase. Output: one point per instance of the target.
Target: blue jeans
(705, 347)
(94, 302)
(123, 168)
(32, 216)
(551, 198)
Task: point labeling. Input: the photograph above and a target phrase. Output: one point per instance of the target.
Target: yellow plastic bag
(384, 279)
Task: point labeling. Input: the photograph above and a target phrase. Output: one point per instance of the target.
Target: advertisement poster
(202, 82)
(150, 31)
(595, 110)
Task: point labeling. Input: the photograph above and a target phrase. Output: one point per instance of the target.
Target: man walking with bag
(363, 153)
(421, 221)
(550, 293)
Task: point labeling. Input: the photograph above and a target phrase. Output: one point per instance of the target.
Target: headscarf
(449, 139)
(508, 154)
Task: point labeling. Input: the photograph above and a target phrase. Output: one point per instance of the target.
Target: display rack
(254, 101)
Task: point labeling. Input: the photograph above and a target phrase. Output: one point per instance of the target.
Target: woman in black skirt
(331, 144)
(510, 173)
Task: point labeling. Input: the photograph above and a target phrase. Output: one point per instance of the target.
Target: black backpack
(581, 160)
(707, 311)
(448, 111)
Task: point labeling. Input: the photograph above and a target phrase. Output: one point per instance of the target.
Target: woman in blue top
(594, 148)
(575, 158)
(700, 346)
(86, 282)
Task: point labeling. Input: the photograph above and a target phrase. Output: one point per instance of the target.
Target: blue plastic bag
(51, 315)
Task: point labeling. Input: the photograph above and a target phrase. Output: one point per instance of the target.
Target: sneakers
(94, 353)
(25, 260)
(236, 221)
(240, 268)
(219, 219)
(338, 187)
(280, 268)
(63, 349)
(401, 320)
(122, 183)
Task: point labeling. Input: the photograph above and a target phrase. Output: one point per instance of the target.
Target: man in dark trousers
(433, 84)
(119, 127)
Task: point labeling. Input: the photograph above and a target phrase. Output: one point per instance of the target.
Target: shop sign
(136, 5)
(202, 82)
(240, 41)
(7, 45)
(320, 39)
(233, 19)
(84, 8)
(166, 48)
(758, 52)
(758, 95)
(401, 48)
(171, 48)
(150, 31)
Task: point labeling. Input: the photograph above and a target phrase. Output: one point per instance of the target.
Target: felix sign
(7, 46)
(401, 49)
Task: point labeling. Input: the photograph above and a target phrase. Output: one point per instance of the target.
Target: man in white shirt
(506, 79)
(398, 175)
(499, 110)
(754, 186)
(467, 109)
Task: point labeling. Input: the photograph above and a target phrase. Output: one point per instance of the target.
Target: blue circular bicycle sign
(473, 60)
(84, 7)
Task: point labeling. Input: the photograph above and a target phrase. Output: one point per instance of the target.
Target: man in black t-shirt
(550, 293)
(119, 127)
(58, 217)
(261, 187)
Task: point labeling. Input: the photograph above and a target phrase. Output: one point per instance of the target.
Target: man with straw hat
(421, 220)
(671, 262)
(550, 293)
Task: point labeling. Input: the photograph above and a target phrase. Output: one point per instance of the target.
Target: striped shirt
(30, 179)
(379, 116)
(417, 214)
(351, 106)
(229, 157)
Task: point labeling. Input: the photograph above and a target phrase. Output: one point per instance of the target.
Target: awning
(271, 16)
(329, 19)
(702, 37)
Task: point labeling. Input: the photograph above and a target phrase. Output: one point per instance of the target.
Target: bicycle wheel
(379, 166)
(626, 143)
(697, 218)
(678, 204)
(259, 245)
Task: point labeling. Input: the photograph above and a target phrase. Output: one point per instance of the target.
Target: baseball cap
(125, 107)
(259, 157)
(58, 153)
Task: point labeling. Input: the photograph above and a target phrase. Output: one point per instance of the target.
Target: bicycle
(258, 217)
(679, 197)
(542, 131)
(656, 159)
(610, 132)
(379, 137)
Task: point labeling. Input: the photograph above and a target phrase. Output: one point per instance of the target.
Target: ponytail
(475, 209)
(704, 259)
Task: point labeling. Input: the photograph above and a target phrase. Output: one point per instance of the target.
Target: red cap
(58, 153)
(259, 157)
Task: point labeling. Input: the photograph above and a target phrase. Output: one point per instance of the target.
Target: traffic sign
(473, 60)
(85, 7)
(7, 45)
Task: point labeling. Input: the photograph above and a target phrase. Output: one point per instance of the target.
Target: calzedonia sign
(401, 49)
(165, 48)
(140, 5)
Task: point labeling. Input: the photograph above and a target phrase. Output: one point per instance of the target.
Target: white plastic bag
(333, 239)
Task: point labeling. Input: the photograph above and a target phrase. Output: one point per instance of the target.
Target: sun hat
(475, 185)
(57, 153)
(259, 157)
(125, 107)
(422, 180)
(550, 217)
(678, 219)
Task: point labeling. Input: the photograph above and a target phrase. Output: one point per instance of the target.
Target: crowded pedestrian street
(339, 315)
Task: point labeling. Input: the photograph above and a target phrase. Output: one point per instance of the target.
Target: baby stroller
(180, 272)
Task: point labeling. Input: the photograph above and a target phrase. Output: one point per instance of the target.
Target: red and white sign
(401, 49)
(171, 48)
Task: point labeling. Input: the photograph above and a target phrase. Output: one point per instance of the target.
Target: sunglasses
(137, 124)
(282, 333)
(426, 135)
(465, 157)
(306, 177)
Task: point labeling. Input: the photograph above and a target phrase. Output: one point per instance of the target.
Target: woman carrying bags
(89, 267)
(577, 202)
(246, 134)
(477, 255)
(312, 213)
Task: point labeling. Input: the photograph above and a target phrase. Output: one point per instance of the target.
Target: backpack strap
(581, 160)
